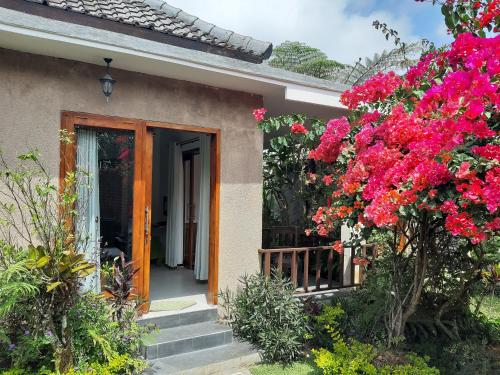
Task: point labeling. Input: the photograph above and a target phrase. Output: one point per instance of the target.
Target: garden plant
(415, 168)
(48, 323)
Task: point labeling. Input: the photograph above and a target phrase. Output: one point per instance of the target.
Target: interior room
(180, 209)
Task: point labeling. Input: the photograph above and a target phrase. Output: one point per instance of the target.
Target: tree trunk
(63, 352)
(403, 308)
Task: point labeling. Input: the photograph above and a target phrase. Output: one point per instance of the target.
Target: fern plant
(17, 282)
(301, 58)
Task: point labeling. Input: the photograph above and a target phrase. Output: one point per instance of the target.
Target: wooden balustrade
(287, 261)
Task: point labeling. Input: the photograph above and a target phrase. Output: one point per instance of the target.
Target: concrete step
(187, 338)
(221, 360)
(180, 318)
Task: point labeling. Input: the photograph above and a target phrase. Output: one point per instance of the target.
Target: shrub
(46, 323)
(118, 365)
(460, 357)
(38, 245)
(354, 357)
(266, 313)
(96, 335)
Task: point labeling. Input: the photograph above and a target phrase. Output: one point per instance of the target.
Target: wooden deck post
(318, 270)
(305, 281)
(294, 268)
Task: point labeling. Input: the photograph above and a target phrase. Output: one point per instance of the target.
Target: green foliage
(286, 171)
(46, 324)
(355, 357)
(301, 58)
(117, 365)
(100, 345)
(17, 282)
(463, 17)
(41, 247)
(266, 313)
(122, 364)
(96, 335)
(296, 368)
(457, 358)
(465, 349)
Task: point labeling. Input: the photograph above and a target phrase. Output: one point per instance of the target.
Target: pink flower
(475, 109)
(331, 140)
(491, 152)
(327, 179)
(259, 113)
(378, 87)
(449, 207)
(338, 247)
(318, 217)
(298, 128)
(308, 232)
(463, 171)
(322, 231)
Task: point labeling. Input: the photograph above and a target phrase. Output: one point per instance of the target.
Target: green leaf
(81, 267)
(42, 262)
(51, 286)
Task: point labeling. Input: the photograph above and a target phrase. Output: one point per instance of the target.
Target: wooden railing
(325, 265)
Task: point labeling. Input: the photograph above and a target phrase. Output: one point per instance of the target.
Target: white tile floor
(171, 283)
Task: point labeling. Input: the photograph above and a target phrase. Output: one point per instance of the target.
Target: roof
(25, 31)
(162, 18)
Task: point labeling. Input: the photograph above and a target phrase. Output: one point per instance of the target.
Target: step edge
(231, 364)
(176, 319)
(155, 348)
(191, 337)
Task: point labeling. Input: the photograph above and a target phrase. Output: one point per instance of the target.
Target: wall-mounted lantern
(107, 81)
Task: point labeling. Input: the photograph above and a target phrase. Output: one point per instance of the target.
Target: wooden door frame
(69, 120)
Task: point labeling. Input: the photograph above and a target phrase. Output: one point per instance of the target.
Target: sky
(341, 28)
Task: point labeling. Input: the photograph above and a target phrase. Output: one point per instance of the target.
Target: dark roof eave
(37, 8)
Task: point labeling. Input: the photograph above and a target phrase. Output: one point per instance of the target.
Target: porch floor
(171, 283)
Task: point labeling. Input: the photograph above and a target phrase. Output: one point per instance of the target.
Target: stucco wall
(35, 89)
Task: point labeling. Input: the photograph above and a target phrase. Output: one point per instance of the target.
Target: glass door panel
(116, 192)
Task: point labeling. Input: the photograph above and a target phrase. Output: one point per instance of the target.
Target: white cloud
(325, 24)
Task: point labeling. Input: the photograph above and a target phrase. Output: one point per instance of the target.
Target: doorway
(132, 216)
(180, 221)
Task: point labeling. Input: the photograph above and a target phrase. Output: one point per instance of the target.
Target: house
(174, 152)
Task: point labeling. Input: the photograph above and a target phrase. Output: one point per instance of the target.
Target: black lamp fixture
(107, 81)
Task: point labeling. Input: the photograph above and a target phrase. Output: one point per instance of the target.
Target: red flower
(360, 261)
(322, 231)
(463, 172)
(327, 179)
(338, 247)
(308, 232)
(378, 87)
(298, 128)
(259, 113)
(330, 146)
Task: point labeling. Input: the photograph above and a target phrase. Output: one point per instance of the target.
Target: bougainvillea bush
(419, 155)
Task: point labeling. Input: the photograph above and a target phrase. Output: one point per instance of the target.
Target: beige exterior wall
(35, 89)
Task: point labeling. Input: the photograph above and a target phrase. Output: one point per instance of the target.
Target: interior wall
(35, 89)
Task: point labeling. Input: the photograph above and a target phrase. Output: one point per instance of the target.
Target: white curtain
(202, 236)
(175, 201)
(88, 225)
